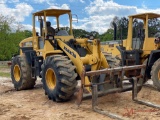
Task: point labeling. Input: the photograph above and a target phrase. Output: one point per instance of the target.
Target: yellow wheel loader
(141, 50)
(56, 57)
(60, 60)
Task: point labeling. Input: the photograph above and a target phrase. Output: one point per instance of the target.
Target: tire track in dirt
(33, 104)
(7, 91)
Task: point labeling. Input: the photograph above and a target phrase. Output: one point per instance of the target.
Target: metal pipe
(115, 31)
(102, 93)
(134, 90)
(96, 109)
(109, 70)
(94, 96)
(109, 114)
(134, 97)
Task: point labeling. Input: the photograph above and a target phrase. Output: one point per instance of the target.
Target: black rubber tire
(25, 81)
(154, 74)
(65, 75)
(113, 63)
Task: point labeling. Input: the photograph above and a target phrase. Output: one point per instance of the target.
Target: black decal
(70, 52)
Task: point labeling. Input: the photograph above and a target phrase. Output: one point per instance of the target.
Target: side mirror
(75, 18)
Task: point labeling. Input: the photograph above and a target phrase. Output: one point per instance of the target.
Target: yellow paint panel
(110, 49)
(65, 38)
(149, 44)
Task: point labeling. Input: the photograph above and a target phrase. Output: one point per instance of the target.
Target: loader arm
(73, 55)
(95, 57)
(76, 60)
(96, 61)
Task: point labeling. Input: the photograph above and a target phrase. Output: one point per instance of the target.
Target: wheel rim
(50, 79)
(17, 73)
(159, 75)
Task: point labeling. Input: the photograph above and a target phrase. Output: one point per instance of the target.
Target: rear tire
(58, 78)
(21, 73)
(155, 74)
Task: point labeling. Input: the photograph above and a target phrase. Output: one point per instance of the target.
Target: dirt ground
(33, 105)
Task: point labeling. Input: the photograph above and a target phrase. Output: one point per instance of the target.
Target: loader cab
(134, 49)
(144, 39)
(50, 27)
(47, 28)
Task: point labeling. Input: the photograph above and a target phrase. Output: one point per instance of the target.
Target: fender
(154, 55)
(33, 60)
(29, 53)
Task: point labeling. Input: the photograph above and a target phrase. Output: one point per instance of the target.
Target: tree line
(11, 33)
(122, 28)
(10, 36)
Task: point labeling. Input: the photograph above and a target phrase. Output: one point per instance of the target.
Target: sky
(93, 15)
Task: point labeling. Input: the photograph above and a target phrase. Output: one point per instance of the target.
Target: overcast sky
(93, 15)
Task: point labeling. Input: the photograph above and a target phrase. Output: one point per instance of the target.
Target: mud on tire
(21, 73)
(58, 78)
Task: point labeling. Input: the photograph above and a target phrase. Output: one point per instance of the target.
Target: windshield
(153, 27)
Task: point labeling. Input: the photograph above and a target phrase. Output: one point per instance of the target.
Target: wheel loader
(60, 61)
(143, 49)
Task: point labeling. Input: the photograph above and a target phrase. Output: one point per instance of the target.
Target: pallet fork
(95, 93)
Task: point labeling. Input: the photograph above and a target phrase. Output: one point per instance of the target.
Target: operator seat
(50, 30)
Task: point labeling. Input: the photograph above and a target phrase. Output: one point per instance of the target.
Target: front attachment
(109, 84)
(134, 97)
(136, 86)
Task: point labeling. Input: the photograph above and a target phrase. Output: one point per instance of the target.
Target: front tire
(58, 78)
(155, 74)
(21, 73)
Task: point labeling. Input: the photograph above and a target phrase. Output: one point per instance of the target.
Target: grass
(3, 74)
(4, 66)
(3, 71)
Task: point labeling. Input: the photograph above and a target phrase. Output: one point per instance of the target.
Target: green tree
(10, 37)
(95, 34)
(154, 25)
(27, 33)
(107, 36)
(79, 33)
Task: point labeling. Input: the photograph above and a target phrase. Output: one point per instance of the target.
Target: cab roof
(52, 12)
(143, 15)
